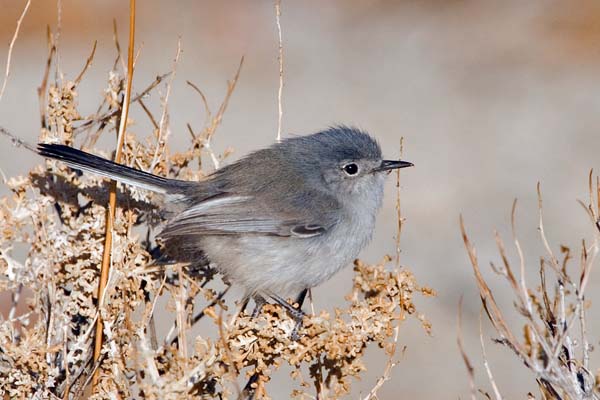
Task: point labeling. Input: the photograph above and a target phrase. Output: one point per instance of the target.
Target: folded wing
(229, 214)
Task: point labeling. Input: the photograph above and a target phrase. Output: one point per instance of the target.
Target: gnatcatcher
(277, 222)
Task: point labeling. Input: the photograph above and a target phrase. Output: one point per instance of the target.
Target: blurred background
(491, 97)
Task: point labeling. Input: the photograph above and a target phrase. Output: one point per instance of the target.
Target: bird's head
(345, 160)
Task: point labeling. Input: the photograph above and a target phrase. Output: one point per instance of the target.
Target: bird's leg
(244, 305)
(301, 297)
(249, 392)
(300, 300)
(259, 302)
(296, 313)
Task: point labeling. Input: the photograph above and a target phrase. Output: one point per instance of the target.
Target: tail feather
(103, 167)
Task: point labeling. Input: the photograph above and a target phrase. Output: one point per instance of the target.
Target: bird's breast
(286, 265)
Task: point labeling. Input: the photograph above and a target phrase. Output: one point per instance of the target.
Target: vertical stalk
(112, 197)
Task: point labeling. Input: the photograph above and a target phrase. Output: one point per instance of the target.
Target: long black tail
(103, 167)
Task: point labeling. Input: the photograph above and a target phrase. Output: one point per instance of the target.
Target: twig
(110, 212)
(228, 356)
(591, 191)
(217, 299)
(150, 320)
(398, 210)
(595, 214)
(88, 63)
(11, 46)
(487, 298)
(553, 259)
(197, 142)
(41, 90)
(463, 353)
(204, 101)
(211, 127)
(165, 112)
(16, 295)
(280, 58)
(95, 366)
(65, 350)
(57, 71)
(486, 363)
(151, 367)
(387, 372)
(104, 117)
(199, 316)
(16, 141)
(79, 344)
(137, 54)
(390, 362)
(153, 306)
(523, 283)
(180, 301)
(117, 46)
(230, 88)
(148, 113)
(586, 264)
(597, 198)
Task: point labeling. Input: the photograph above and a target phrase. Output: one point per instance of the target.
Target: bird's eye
(350, 169)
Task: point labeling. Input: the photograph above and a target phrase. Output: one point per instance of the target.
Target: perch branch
(112, 202)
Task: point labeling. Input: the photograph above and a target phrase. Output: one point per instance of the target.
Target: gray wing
(230, 214)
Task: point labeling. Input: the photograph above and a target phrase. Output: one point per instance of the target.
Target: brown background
(491, 97)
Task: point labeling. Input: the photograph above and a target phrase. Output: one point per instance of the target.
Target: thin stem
(11, 46)
(112, 199)
(280, 58)
(398, 209)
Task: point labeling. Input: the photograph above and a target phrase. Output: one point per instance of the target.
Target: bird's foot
(259, 302)
(296, 313)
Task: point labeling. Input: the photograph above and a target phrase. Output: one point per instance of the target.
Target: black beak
(388, 165)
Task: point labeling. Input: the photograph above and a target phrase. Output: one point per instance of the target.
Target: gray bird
(277, 222)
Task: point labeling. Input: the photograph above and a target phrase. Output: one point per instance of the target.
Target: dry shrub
(58, 215)
(553, 342)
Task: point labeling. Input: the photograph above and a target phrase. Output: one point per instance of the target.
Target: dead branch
(280, 59)
(88, 63)
(11, 46)
(547, 349)
(112, 202)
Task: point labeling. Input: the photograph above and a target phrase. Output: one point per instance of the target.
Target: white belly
(287, 265)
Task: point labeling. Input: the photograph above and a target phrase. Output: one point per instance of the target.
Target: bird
(277, 222)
